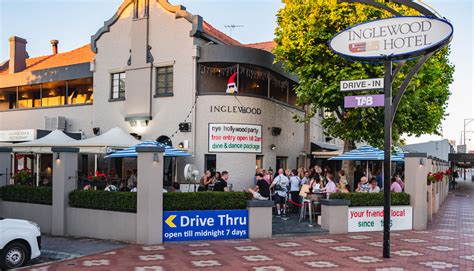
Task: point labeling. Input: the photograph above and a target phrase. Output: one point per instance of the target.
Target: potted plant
(23, 177)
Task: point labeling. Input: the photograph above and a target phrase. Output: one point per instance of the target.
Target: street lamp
(466, 122)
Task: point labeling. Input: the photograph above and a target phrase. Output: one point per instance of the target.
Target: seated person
(364, 185)
(345, 189)
(395, 187)
(373, 186)
(261, 190)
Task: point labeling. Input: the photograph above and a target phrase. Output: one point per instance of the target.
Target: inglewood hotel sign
(395, 38)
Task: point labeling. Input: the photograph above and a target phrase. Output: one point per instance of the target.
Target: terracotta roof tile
(80, 55)
(210, 30)
(266, 45)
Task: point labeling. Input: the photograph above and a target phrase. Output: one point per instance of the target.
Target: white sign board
(362, 219)
(393, 38)
(225, 137)
(363, 84)
(17, 135)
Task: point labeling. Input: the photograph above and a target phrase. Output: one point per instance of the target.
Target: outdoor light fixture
(57, 157)
(155, 158)
(133, 123)
(144, 122)
(272, 147)
(421, 162)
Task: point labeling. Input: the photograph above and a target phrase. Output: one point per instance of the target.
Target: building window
(80, 91)
(53, 94)
(164, 81)
(210, 162)
(29, 96)
(118, 86)
(7, 98)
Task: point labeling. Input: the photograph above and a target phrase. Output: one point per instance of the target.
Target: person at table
(330, 185)
(261, 191)
(395, 187)
(221, 183)
(374, 188)
(364, 186)
(316, 184)
(205, 180)
(280, 184)
(346, 189)
(306, 179)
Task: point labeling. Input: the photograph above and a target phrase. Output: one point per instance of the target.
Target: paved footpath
(448, 244)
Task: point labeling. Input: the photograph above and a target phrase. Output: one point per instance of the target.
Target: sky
(72, 22)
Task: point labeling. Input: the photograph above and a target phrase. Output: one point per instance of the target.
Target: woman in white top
(316, 184)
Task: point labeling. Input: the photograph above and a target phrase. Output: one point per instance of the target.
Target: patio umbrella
(369, 153)
(132, 151)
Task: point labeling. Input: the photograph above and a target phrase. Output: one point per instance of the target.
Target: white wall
(242, 166)
(77, 118)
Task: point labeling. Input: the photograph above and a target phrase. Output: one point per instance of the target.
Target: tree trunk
(348, 166)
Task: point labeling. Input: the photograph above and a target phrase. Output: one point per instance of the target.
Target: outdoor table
(314, 198)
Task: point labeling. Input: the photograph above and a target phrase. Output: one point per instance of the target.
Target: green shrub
(205, 201)
(103, 200)
(372, 199)
(29, 194)
(127, 201)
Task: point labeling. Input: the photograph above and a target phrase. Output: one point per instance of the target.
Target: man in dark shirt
(221, 183)
(261, 190)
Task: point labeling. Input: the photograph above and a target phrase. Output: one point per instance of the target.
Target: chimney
(18, 54)
(54, 44)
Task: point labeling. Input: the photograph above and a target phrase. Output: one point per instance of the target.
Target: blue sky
(72, 22)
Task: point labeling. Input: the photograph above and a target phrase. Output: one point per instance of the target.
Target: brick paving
(448, 244)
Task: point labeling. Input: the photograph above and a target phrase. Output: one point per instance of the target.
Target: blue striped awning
(132, 152)
(369, 153)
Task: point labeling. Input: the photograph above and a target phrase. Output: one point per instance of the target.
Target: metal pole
(387, 156)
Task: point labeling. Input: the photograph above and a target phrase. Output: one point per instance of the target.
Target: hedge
(127, 201)
(104, 200)
(29, 194)
(205, 201)
(372, 199)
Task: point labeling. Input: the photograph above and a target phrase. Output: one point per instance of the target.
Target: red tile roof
(80, 55)
(84, 54)
(210, 30)
(266, 45)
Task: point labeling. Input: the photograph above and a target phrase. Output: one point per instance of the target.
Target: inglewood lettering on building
(235, 109)
(399, 35)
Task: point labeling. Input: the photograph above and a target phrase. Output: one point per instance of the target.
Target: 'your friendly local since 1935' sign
(205, 225)
(363, 219)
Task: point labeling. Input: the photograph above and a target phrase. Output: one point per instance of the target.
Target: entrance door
(281, 162)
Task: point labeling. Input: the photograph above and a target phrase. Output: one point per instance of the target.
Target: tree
(302, 36)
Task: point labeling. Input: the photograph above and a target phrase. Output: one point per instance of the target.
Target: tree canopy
(302, 36)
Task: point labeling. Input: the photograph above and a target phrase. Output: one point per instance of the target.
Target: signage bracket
(391, 104)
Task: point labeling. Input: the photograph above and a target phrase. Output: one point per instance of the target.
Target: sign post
(387, 161)
(385, 40)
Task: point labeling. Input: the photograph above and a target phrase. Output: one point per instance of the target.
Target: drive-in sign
(363, 84)
(205, 225)
(392, 38)
(363, 101)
